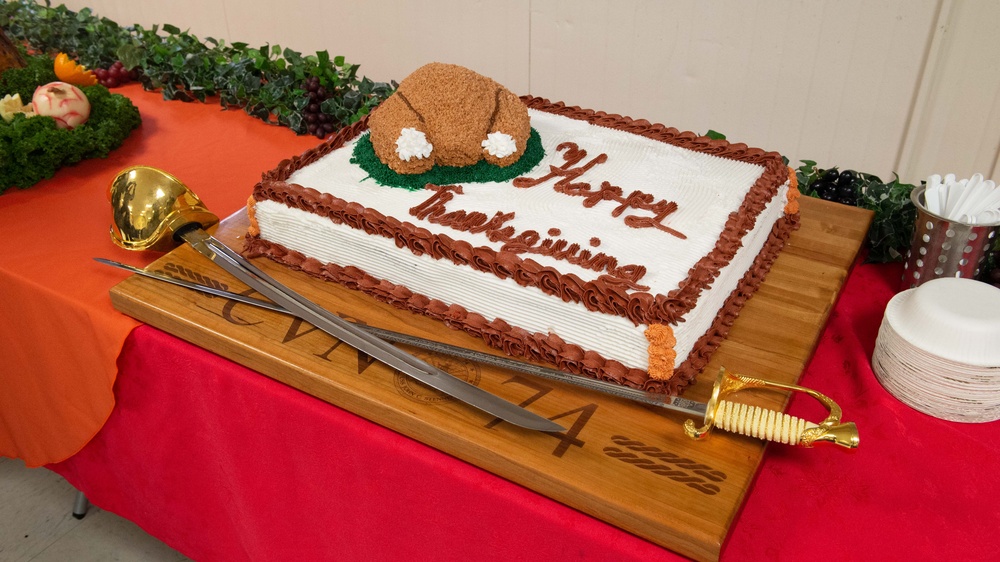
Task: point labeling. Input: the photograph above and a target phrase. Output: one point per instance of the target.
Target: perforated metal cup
(943, 247)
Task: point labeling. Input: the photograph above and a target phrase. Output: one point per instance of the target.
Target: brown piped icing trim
(605, 294)
(549, 348)
(679, 301)
(730, 311)
(599, 295)
(514, 341)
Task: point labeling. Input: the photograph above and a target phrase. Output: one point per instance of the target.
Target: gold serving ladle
(153, 210)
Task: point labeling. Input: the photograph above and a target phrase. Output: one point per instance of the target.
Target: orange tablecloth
(57, 356)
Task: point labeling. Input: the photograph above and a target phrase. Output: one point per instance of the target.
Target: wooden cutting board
(625, 463)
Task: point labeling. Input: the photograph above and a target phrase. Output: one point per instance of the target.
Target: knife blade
(666, 401)
(378, 349)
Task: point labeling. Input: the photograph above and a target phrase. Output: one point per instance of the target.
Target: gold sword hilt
(771, 425)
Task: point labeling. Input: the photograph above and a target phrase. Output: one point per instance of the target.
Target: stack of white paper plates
(938, 349)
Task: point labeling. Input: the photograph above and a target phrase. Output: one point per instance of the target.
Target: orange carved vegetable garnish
(70, 72)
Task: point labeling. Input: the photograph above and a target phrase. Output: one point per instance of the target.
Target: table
(224, 464)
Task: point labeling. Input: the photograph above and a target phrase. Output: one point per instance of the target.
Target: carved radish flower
(63, 102)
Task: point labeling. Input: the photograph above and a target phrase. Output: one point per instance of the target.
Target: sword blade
(666, 401)
(378, 349)
(207, 289)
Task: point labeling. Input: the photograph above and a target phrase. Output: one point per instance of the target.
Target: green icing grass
(480, 172)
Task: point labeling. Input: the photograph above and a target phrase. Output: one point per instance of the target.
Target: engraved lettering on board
(178, 271)
(579, 415)
(463, 369)
(297, 328)
(688, 472)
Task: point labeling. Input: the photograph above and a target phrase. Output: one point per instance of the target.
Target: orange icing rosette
(254, 228)
(661, 351)
(792, 206)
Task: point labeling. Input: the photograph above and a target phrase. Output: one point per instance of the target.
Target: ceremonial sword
(154, 210)
(736, 417)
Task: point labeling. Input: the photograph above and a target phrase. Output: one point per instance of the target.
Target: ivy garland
(267, 83)
(892, 225)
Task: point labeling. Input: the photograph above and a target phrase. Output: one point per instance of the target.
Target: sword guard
(771, 425)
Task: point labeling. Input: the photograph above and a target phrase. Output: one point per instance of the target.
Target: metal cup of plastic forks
(944, 248)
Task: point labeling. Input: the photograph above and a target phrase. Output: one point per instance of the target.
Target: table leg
(80, 505)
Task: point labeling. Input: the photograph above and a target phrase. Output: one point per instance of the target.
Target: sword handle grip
(771, 425)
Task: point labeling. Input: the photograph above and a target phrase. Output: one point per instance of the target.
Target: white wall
(893, 85)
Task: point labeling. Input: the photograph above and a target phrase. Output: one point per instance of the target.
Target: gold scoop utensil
(718, 412)
(153, 210)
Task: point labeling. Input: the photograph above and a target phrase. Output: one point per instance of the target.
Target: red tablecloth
(225, 464)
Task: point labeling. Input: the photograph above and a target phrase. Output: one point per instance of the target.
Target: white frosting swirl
(412, 144)
(499, 144)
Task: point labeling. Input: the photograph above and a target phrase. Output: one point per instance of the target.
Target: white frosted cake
(625, 253)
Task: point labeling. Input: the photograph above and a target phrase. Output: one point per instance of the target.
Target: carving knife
(718, 412)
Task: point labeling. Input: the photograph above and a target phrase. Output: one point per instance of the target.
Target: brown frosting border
(548, 348)
(641, 308)
(669, 308)
(599, 295)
